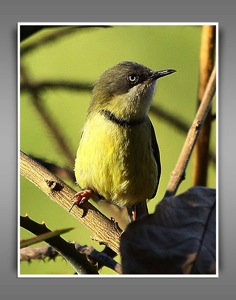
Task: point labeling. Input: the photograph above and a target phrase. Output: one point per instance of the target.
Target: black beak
(161, 73)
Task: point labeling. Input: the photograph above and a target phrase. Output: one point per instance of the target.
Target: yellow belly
(116, 162)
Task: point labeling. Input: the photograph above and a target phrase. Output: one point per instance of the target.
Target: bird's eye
(133, 78)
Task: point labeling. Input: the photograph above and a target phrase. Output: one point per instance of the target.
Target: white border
(100, 276)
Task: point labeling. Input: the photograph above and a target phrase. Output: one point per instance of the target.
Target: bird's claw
(81, 197)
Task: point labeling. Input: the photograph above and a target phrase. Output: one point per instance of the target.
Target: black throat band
(120, 121)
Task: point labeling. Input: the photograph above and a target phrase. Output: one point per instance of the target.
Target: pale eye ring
(133, 78)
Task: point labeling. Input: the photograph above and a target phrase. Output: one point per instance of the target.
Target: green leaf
(43, 237)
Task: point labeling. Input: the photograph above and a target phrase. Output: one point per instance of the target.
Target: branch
(58, 191)
(166, 116)
(178, 174)
(82, 258)
(48, 119)
(67, 250)
(100, 258)
(27, 31)
(177, 123)
(39, 252)
(58, 84)
(52, 36)
(201, 154)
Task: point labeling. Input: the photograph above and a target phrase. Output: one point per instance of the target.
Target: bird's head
(126, 89)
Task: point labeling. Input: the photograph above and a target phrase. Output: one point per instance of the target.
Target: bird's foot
(81, 197)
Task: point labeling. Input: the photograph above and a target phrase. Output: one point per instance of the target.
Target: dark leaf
(179, 238)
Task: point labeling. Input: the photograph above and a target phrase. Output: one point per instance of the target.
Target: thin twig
(177, 123)
(103, 229)
(58, 84)
(178, 174)
(48, 119)
(169, 117)
(28, 30)
(53, 36)
(38, 252)
(201, 153)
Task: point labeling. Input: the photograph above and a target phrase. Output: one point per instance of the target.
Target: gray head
(126, 89)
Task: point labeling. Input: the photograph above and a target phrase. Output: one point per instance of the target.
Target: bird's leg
(138, 211)
(81, 197)
(132, 213)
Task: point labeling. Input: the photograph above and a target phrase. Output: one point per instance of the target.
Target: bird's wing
(156, 154)
(140, 209)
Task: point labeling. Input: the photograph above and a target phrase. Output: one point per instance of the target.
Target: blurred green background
(82, 56)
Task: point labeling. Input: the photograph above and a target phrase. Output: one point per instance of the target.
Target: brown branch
(58, 84)
(201, 154)
(38, 252)
(178, 174)
(58, 191)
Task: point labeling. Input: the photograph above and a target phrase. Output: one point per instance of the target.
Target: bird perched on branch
(118, 156)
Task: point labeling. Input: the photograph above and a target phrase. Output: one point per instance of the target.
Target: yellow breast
(116, 162)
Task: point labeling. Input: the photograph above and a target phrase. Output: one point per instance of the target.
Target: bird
(118, 158)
